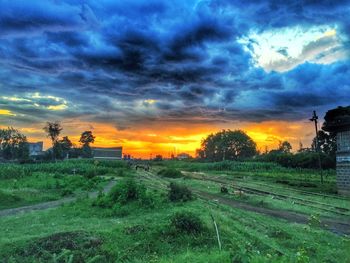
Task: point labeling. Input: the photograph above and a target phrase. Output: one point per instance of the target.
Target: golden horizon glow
(144, 141)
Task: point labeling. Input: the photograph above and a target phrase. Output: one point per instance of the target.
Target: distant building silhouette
(183, 156)
(113, 153)
(36, 148)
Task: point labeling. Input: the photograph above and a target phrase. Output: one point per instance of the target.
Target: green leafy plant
(187, 222)
(179, 193)
(124, 192)
(170, 173)
(314, 220)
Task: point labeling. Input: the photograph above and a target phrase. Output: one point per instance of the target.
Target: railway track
(305, 202)
(337, 226)
(276, 187)
(300, 191)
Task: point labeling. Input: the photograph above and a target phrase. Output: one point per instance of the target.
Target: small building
(183, 156)
(113, 153)
(35, 148)
(338, 121)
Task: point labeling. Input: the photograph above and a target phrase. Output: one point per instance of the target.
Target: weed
(314, 220)
(187, 222)
(126, 191)
(170, 173)
(179, 193)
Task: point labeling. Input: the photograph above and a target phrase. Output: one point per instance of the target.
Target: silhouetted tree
(228, 145)
(86, 139)
(13, 144)
(66, 145)
(327, 143)
(285, 147)
(53, 130)
(200, 154)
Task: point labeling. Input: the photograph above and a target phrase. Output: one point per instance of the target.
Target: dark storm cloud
(107, 58)
(23, 18)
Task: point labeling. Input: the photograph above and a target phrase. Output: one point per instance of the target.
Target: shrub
(179, 193)
(187, 222)
(124, 192)
(170, 173)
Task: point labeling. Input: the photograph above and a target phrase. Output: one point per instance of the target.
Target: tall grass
(87, 168)
(227, 166)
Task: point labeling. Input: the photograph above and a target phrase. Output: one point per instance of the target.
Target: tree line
(14, 145)
(237, 145)
(64, 148)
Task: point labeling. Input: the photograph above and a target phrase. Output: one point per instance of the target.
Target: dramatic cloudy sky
(155, 76)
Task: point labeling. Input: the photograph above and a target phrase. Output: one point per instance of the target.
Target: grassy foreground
(139, 222)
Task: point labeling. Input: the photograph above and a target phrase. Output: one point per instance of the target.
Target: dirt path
(334, 225)
(51, 204)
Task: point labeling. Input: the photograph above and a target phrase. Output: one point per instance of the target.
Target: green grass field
(137, 222)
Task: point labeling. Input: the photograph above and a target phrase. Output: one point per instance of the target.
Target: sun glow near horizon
(144, 142)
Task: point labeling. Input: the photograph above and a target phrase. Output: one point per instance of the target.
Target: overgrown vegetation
(32, 183)
(170, 173)
(87, 167)
(306, 160)
(134, 223)
(179, 193)
(40, 187)
(126, 196)
(238, 166)
(187, 222)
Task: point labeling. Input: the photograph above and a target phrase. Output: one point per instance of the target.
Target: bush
(179, 193)
(187, 222)
(124, 192)
(170, 173)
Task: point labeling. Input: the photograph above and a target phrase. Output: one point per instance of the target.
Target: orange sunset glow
(158, 79)
(142, 142)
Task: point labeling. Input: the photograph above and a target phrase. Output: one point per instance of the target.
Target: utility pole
(314, 119)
